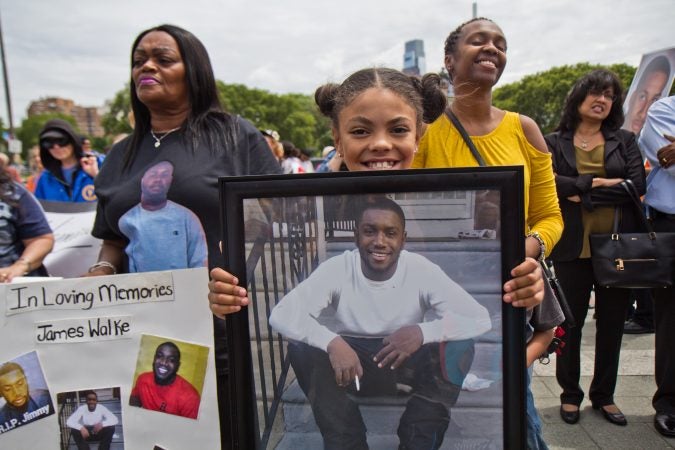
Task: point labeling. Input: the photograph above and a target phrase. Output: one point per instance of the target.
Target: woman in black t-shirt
(179, 120)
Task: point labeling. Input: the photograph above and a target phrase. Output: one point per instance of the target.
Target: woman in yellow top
(475, 57)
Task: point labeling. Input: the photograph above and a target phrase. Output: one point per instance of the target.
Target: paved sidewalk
(633, 396)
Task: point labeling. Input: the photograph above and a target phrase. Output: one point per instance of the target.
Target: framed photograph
(376, 315)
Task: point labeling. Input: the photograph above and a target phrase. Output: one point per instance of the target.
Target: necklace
(584, 142)
(158, 140)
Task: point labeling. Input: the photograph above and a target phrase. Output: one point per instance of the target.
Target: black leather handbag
(633, 260)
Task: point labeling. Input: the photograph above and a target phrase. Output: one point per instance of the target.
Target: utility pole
(474, 8)
(4, 75)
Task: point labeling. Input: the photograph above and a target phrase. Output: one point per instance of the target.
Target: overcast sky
(79, 49)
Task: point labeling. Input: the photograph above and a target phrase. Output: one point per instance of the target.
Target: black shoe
(615, 418)
(570, 417)
(665, 424)
(632, 327)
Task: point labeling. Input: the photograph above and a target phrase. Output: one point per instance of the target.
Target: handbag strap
(635, 198)
(559, 295)
(469, 143)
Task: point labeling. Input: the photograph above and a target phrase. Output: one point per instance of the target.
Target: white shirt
(83, 417)
(660, 182)
(337, 299)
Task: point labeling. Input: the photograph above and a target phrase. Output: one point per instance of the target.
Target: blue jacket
(51, 188)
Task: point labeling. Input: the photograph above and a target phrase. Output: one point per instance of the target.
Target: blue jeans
(535, 439)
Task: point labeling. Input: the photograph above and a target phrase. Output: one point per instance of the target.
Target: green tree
(116, 120)
(29, 132)
(294, 116)
(541, 96)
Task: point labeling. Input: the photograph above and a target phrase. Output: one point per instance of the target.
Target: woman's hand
(225, 294)
(112, 257)
(34, 252)
(605, 182)
(89, 164)
(15, 270)
(526, 288)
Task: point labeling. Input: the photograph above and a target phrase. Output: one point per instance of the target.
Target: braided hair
(453, 37)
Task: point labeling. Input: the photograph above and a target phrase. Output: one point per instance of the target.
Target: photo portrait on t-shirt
(163, 235)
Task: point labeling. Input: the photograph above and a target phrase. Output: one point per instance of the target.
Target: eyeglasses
(48, 143)
(607, 94)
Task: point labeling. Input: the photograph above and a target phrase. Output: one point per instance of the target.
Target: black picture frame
(256, 401)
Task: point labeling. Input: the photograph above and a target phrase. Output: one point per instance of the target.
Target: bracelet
(101, 264)
(27, 262)
(542, 244)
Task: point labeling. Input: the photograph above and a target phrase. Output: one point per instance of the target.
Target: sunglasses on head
(48, 143)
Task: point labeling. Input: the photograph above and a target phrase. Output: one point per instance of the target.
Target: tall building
(414, 62)
(87, 118)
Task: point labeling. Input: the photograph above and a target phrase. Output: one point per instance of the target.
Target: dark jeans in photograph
(422, 424)
(103, 437)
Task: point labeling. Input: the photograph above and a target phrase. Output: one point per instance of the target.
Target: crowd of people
(161, 182)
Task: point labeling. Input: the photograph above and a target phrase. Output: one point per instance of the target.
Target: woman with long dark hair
(591, 157)
(158, 187)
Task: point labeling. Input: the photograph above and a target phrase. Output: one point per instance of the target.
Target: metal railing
(276, 263)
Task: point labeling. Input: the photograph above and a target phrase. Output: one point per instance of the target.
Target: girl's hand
(225, 296)
(526, 288)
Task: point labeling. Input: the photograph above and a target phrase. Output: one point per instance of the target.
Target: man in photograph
(649, 89)
(23, 405)
(92, 422)
(158, 223)
(163, 389)
(367, 323)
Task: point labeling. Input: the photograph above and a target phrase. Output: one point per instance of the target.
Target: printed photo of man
(163, 235)
(369, 321)
(654, 78)
(92, 422)
(23, 404)
(163, 389)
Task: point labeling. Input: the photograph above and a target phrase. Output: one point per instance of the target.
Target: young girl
(378, 118)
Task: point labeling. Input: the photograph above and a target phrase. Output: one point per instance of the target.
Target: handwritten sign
(87, 333)
(89, 293)
(83, 330)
